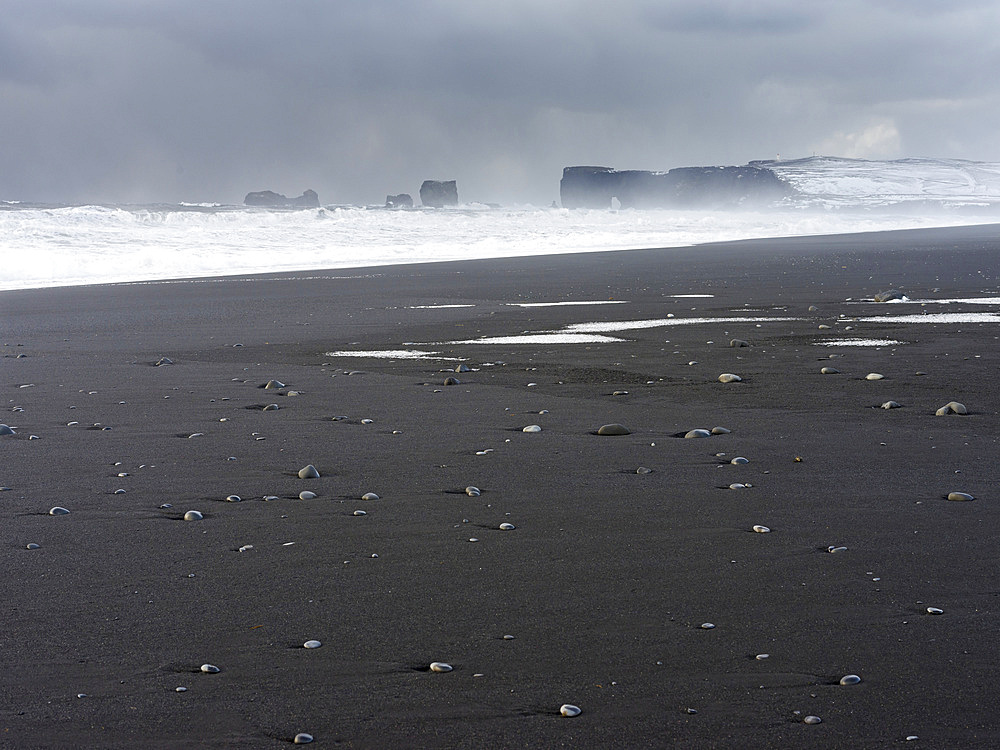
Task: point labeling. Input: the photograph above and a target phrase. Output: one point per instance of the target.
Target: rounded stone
(271, 407)
(707, 626)
(274, 385)
(452, 381)
(738, 486)
(721, 431)
(874, 376)
(33, 545)
(935, 611)
(308, 472)
(739, 461)
(891, 405)
(613, 429)
(568, 709)
(210, 669)
(643, 470)
(960, 497)
(761, 529)
(5, 430)
(473, 491)
(193, 515)
(307, 495)
(699, 433)
(440, 666)
(302, 738)
(369, 496)
(360, 513)
(952, 407)
(739, 343)
(506, 527)
(532, 428)
(728, 377)
(812, 720)
(311, 644)
(831, 549)
(58, 511)
(850, 679)
(829, 371)
(233, 498)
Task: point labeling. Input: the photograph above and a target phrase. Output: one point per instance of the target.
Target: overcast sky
(195, 100)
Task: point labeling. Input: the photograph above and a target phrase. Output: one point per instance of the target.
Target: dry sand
(608, 574)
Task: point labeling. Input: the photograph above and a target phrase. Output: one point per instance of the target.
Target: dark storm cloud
(120, 100)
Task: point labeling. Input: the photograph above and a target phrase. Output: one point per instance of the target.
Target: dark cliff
(684, 187)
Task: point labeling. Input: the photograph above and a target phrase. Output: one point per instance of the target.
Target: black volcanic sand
(608, 575)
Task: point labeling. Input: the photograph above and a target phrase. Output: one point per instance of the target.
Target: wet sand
(609, 573)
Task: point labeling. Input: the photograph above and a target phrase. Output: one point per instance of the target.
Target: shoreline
(623, 546)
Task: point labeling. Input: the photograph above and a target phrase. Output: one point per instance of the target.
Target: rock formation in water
(308, 199)
(684, 187)
(403, 200)
(439, 194)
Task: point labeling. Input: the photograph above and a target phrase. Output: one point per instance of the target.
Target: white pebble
(506, 527)
(180, 689)
(473, 491)
(307, 495)
(302, 738)
(812, 720)
(360, 513)
(761, 657)
(568, 709)
(311, 644)
(33, 545)
(440, 666)
(58, 511)
(850, 679)
(706, 626)
(473, 539)
(739, 460)
(831, 549)
(532, 428)
(934, 611)
(728, 377)
(761, 529)
(233, 499)
(210, 669)
(369, 496)
(874, 376)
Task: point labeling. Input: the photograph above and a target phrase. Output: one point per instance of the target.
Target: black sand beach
(609, 573)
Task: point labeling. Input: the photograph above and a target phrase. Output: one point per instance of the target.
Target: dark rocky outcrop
(308, 199)
(403, 200)
(439, 194)
(684, 187)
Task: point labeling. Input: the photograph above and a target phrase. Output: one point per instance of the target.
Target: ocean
(45, 245)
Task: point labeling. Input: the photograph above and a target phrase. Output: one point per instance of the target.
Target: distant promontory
(684, 187)
(308, 199)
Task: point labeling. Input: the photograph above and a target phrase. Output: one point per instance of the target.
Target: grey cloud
(116, 100)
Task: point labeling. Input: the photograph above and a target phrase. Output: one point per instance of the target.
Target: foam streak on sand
(966, 317)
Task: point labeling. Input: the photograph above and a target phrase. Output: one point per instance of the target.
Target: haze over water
(48, 245)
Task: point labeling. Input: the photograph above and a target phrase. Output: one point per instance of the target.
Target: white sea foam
(635, 325)
(545, 337)
(567, 304)
(965, 317)
(57, 246)
(392, 354)
(858, 342)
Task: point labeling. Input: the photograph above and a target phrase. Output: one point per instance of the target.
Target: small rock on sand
(308, 472)
(58, 511)
(829, 371)
(891, 405)
(728, 377)
(874, 376)
(5, 430)
(739, 343)
(952, 407)
(888, 294)
(699, 433)
(960, 497)
(613, 429)
(532, 428)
